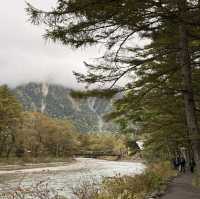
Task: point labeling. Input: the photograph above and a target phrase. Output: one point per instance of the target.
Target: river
(63, 178)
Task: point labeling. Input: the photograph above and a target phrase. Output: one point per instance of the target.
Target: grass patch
(37, 191)
(196, 180)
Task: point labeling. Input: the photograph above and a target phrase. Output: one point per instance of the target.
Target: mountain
(55, 101)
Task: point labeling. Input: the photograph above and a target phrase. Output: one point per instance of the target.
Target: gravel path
(181, 188)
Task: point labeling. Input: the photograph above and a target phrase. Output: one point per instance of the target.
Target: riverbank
(63, 178)
(135, 158)
(18, 164)
(146, 185)
(153, 180)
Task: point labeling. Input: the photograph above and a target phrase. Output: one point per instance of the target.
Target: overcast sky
(25, 56)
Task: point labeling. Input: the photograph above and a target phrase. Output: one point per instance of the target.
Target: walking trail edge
(182, 188)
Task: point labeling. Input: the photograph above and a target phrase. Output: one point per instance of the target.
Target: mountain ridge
(55, 100)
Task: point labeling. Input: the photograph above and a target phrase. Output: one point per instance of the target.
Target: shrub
(39, 191)
(128, 187)
(196, 180)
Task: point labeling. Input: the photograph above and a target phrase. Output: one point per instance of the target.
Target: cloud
(25, 56)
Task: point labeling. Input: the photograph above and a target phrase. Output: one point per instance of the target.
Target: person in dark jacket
(182, 164)
(176, 162)
(192, 165)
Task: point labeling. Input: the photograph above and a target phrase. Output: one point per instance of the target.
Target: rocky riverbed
(64, 177)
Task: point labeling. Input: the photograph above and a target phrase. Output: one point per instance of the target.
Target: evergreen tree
(159, 114)
(169, 27)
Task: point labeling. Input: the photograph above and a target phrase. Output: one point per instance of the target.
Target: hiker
(176, 162)
(192, 165)
(182, 164)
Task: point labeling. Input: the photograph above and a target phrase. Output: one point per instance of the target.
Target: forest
(35, 137)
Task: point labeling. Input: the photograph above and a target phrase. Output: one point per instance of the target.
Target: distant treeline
(35, 135)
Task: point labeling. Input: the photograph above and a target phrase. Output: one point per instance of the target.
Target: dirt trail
(181, 188)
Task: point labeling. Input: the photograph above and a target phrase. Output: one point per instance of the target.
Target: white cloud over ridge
(26, 57)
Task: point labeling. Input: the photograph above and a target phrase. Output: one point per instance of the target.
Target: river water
(63, 178)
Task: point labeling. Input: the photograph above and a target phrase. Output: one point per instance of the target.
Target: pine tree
(159, 116)
(170, 26)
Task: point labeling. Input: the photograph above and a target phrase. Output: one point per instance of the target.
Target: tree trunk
(2, 146)
(9, 150)
(188, 94)
(10, 145)
(57, 150)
